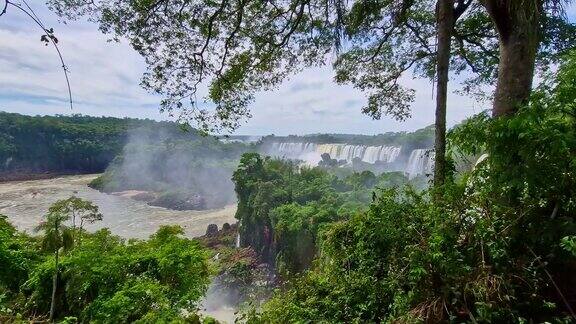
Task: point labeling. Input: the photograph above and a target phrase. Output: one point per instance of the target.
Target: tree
(508, 40)
(77, 208)
(445, 22)
(56, 236)
(518, 26)
(241, 47)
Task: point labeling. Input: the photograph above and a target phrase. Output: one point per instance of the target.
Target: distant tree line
(421, 138)
(74, 144)
(58, 143)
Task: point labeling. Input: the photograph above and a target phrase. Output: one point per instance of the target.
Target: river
(25, 202)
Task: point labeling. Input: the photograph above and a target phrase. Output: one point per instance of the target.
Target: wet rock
(179, 201)
(212, 230)
(226, 227)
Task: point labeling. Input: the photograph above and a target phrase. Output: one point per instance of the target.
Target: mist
(169, 167)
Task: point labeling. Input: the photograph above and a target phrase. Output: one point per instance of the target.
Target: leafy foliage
(56, 144)
(75, 208)
(57, 234)
(496, 245)
(83, 144)
(17, 256)
(102, 278)
(282, 207)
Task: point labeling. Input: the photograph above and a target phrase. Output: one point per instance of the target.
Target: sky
(105, 79)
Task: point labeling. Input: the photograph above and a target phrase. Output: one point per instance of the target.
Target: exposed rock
(224, 238)
(135, 194)
(179, 201)
(212, 230)
(144, 196)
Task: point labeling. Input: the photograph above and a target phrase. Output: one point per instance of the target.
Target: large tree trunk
(445, 22)
(54, 283)
(518, 26)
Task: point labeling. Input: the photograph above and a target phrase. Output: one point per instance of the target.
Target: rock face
(135, 194)
(212, 230)
(176, 200)
(226, 227)
(179, 201)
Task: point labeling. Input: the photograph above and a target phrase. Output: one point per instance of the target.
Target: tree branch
(4, 8)
(35, 18)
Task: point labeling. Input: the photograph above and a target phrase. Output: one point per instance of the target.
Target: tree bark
(518, 26)
(445, 23)
(54, 283)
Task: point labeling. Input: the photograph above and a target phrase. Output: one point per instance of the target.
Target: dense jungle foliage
(84, 144)
(491, 243)
(494, 245)
(102, 278)
(282, 206)
(129, 151)
(61, 144)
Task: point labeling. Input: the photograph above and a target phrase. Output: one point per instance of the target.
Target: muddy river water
(25, 202)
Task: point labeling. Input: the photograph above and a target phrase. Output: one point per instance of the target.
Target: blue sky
(105, 80)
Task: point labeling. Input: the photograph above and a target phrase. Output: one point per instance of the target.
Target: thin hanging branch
(48, 37)
(4, 8)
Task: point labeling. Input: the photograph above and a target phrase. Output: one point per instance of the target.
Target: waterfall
(481, 159)
(238, 240)
(421, 161)
(292, 150)
(311, 152)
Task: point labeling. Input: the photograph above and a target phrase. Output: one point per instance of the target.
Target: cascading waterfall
(421, 162)
(381, 153)
(347, 152)
(292, 150)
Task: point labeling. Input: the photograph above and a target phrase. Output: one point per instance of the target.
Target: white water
(421, 161)
(311, 152)
(25, 202)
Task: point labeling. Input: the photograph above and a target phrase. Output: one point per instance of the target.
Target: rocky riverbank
(242, 279)
(174, 200)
